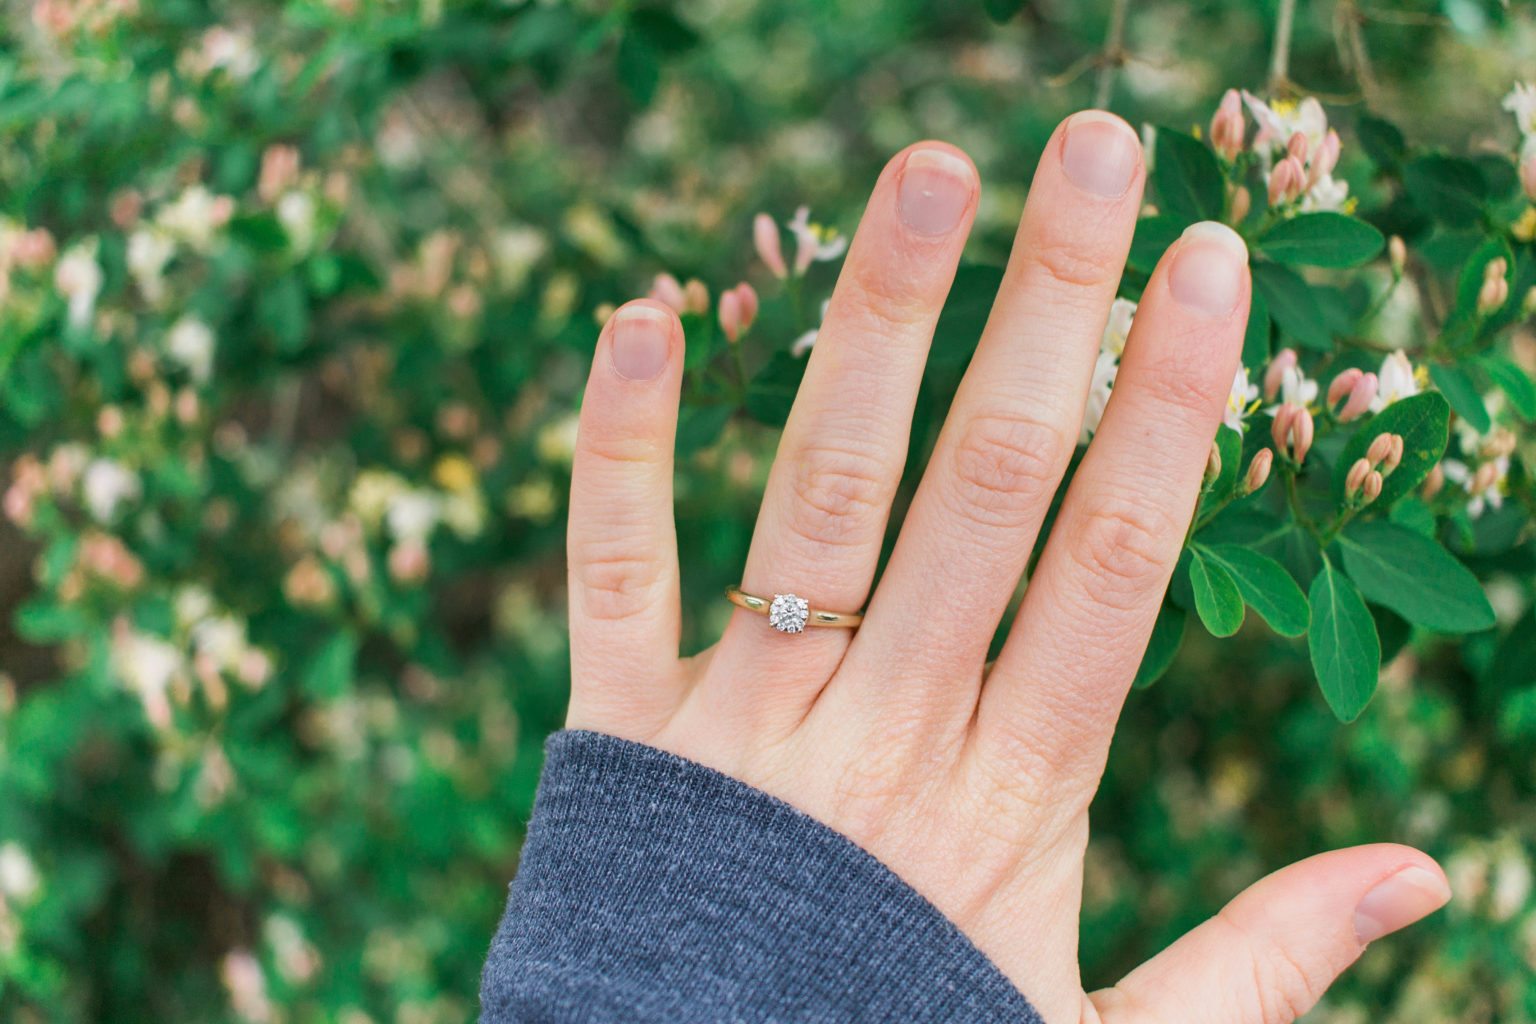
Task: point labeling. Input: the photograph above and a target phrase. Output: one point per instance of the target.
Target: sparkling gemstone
(788, 613)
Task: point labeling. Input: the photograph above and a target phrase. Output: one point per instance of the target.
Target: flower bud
(1372, 489)
(1528, 168)
(1213, 464)
(1286, 181)
(1496, 267)
(1397, 253)
(1354, 481)
(1227, 127)
(1394, 455)
(668, 292)
(738, 309)
(1326, 158)
(1274, 375)
(1341, 386)
(1528, 304)
(1258, 470)
(1434, 482)
(765, 238)
(1487, 476)
(1293, 431)
(1381, 447)
(1361, 395)
(695, 298)
(1296, 146)
(1499, 442)
(1239, 204)
(1493, 294)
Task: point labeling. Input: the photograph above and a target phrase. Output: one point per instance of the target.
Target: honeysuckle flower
(813, 242)
(1434, 482)
(409, 562)
(1521, 101)
(247, 986)
(1326, 195)
(1279, 120)
(1292, 431)
(803, 344)
(667, 290)
(1239, 202)
(1118, 328)
(1354, 480)
(1274, 374)
(147, 665)
(1362, 393)
(19, 878)
(1228, 126)
(1105, 367)
(229, 50)
(196, 216)
(413, 514)
(190, 342)
(1241, 400)
(1297, 388)
(1325, 158)
(1286, 181)
(738, 309)
(1397, 254)
(1373, 485)
(765, 238)
(1396, 381)
(1528, 167)
(78, 278)
(149, 250)
(1485, 486)
(1258, 470)
(106, 486)
(279, 172)
(296, 212)
(1494, 291)
(695, 297)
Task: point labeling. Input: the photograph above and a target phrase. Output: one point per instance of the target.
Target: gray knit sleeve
(654, 889)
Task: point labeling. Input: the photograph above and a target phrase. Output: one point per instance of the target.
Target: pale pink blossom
(1228, 126)
(765, 237)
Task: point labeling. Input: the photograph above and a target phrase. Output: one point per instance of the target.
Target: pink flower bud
(1281, 427)
(1492, 295)
(1381, 447)
(409, 562)
(33, 249)
(1274, 375)
(1213, 463)
(738, 308)
(1361, 395)
(765, 237)
(1293, 431)
(695, 298)
(1258, 470)
(1326, 158)
(1434, 482)
(1355, 480)
(1528, 172)
(1296, 146)
(1487, 476)
(1342, 385)
(1394, 456)
(1227, 126)
(1286, 181)
(1397, 253)
(1372, 488)
(1240, 204)
(667, 291)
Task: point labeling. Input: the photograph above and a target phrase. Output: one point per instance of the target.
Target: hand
(972, 784)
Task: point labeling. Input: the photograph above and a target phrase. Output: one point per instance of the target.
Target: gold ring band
(790, 614)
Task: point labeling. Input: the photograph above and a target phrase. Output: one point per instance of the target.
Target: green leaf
(1256, 347)
(1448, 188)
(1266, 587)
(1322, 240)
(1414, 514)
(662, 30)
(1424, 421)
(1514, 660)
(1345, 650)
(1415, 576)
(1187, 177)
(1230, 444)
(1167, 637)
(1513, 381)
(1217, 599)
(1461, 391)
(639, 67)
(772, 391)
(1002, 11)
(41, 621)
(284, 311)
(329, 673)
(1292, 304)
(1153, 237)
(699, 426)
(1382, 140)
(965, 313)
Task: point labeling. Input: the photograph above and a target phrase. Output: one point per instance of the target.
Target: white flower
(1521, 102)
(803, 344)
(296, 212)
(1396, 381)
(149, 250)
(1280, 119)
(147, 665)
(192, 604)
(413, 514)
(1485, 487)
(1121, 313)
(228, 50)
(78, 278)
(1240, 401)
(1105, 367)
(106, 485)
(247, 987)
(1295, 387)
(19, 879)
(813, 243)
(221, 639)
(190, 343)
(372, 493)
(196, 216)
(1327, 194)
(514, 251)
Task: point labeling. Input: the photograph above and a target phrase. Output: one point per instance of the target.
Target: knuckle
(838, 495)
(613, 587)
(883, 301)
(1005, 466)
(1186, 389)
(622, 451)
(1124, 548)
(1068, 264)
(1284, 988)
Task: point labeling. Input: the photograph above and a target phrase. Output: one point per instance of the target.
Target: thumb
(1273, 951)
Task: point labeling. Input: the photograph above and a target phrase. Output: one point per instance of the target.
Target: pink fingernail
(1207, 271)
(1100, 153)
(936, 187)
(642, 337)
(1398, 901)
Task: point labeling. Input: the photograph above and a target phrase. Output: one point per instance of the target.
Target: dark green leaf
(1424, 421)
(1514, 660)
(965, 313)
(1461, 391)
(1448, 188)
(1414, 576)
(662, 30)
(1256, 347)
(1187, 177)
(639, 68)
(329, 672)
(1167, 637)
(1322, 240)
(1513, 381)
(1292, 304)
(1345, 649)
(772, 391)
(1153, 237)
(1001, 11)
(1415, 515)
(1217, 599)
(699, 426)
(1266, 587)
(284, 311)
(1382, 141)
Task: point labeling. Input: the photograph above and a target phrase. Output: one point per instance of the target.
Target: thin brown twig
(1113, 55)
(1280, 56)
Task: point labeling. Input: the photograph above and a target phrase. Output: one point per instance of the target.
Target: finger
(1273, 951)
(621, 541)
(1015, 419)
(829, 492)
(1059, 681)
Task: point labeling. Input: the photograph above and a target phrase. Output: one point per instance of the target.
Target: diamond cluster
(788, 613)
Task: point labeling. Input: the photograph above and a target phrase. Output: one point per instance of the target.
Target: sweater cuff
(652, 888)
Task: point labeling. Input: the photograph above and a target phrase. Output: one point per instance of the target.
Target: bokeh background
(287, 393)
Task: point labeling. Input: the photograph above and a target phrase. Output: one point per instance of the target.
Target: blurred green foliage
(297, 301)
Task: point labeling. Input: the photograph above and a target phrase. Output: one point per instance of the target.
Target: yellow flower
(1525, 228)
(454, 473)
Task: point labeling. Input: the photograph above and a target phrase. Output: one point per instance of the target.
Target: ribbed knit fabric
(654, 889)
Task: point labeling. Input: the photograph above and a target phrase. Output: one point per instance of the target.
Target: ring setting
(791, 613)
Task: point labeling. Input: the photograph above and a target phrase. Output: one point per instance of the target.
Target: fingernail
(1207, 272)
(1100, 153)
(1398, 901)
(641, 337)
(936, 188)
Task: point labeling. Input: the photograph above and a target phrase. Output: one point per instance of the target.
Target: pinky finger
(621, 543)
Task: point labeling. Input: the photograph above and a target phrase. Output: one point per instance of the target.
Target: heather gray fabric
(654, 889)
